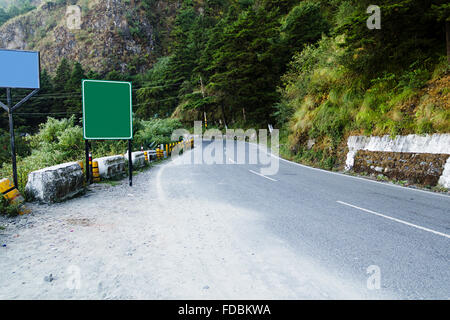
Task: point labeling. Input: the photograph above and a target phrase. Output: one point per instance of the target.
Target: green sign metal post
(108, 113)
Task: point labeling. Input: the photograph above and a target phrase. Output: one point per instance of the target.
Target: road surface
(220, 231)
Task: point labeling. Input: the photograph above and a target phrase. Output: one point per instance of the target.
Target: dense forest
(14, 9)
(312, 68)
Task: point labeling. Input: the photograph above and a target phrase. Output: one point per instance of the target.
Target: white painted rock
(137, 157)
(110, 167)
(55, 183)
(151, 155)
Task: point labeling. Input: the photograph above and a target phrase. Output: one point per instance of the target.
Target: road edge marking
(350, 176)
(261, 175)
(394, 219)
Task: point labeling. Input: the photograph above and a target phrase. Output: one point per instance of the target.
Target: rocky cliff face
(104, 41)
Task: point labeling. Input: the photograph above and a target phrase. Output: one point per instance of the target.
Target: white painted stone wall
(110, 167)
(55, 183)
(435, 144)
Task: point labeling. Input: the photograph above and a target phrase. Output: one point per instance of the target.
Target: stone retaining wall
(416, 168)
(402, 156)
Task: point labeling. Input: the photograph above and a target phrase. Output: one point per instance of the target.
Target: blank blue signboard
(19, 69)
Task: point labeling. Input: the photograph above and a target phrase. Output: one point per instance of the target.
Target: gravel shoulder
(88, 244)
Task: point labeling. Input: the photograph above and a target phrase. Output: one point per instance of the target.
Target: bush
(330, 121)
(22, 146)
(8, 209)
(60, 141)
(57, 141)
(283, 113)
(414, 78)
(155, 130)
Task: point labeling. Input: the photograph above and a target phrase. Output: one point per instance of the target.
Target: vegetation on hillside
(14, 9)
(311, 67)
(360, 81)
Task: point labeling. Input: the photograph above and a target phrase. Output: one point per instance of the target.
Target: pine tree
(245, 71)
(409, 34)
(37, 109)
(62, 76)
(73, 87)
(304, 25)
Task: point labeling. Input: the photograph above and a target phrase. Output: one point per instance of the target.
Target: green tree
(73, 101)
(443, 15)
(36, 110)
(245, 67)
(304, 25)
(3, 16)
(409, 33)
(62, 76)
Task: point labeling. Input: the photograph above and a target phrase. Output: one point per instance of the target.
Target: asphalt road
(216, 231)
(351, 228)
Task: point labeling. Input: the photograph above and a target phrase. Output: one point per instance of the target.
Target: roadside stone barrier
(137, 157)
(110, 167)
(151, 155)
(55, 184)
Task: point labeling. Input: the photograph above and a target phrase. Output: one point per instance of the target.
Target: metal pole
(130, 163)
(86, 147)
(11, 133)
(91, 175)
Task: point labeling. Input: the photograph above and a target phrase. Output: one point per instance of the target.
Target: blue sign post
(18, 69)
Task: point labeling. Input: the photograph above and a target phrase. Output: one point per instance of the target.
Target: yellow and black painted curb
(81, 163)
(159, 154)
(95, 172)
(12, 194)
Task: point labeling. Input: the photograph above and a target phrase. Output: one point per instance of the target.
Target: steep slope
(7, 3)
(107, 39)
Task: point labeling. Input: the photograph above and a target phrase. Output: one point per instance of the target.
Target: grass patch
(440, 188)
(112, 183)
(8, 209)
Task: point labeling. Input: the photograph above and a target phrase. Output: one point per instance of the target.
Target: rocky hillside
(7, 3)
(114, 34)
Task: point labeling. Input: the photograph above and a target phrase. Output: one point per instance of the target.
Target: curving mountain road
(217, 231)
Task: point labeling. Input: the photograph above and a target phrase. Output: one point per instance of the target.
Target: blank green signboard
(107, 110)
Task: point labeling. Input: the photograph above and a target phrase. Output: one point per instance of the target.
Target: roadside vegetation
(356, 81)
(8, 209)
(60, 141)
